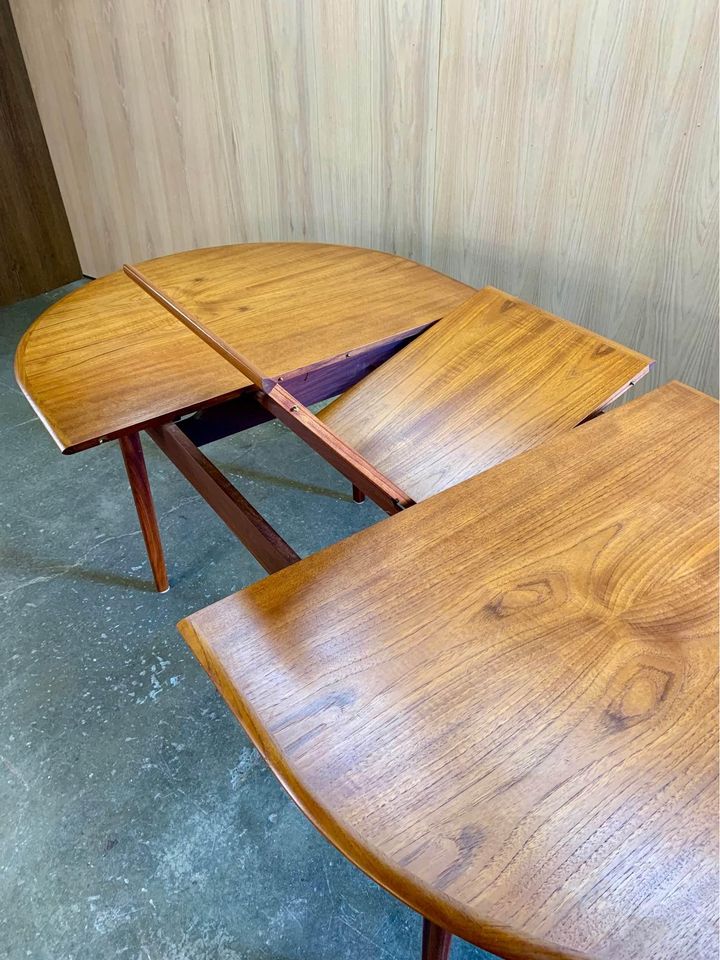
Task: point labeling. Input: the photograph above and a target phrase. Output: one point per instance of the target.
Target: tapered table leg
(132, 452)
(358, 495)
(435, 941)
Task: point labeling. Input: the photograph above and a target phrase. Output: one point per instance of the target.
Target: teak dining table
(267, 329)
(107, 363)
(502, 704)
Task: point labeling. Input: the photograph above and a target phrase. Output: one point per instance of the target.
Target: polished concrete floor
(137, 821)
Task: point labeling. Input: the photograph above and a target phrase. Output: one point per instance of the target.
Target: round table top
(501, 704)
(107, 359)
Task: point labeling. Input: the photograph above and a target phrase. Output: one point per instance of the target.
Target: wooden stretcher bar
(249, 526)
(361, 473)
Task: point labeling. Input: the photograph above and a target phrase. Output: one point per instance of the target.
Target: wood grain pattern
(576, 143)
(246, 367)
(577, 166)
(490, 380)
(107, 359)
(359, 471)
(225, 122)
(37, 251)
(502, 704)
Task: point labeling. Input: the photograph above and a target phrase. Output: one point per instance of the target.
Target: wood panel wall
(566, 152)
(37, 251)
(585, 178)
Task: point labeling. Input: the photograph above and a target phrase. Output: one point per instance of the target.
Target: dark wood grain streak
(37, 251)
(249, 526)
(134, 459)
(493, 378)
(502, 704)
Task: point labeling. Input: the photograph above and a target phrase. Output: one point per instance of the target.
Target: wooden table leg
(132, 452)
(358, 495)
(435, 941)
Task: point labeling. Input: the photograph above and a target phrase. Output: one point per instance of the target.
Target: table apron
(309, 385)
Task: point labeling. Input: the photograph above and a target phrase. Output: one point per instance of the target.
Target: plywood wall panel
(181, 124)
(577, 166)
(566, 152)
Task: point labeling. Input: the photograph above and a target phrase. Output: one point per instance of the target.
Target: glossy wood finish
(275, 398)
(502, 703)
(241, 363)
(436, 942)
(360, 471)
(37, 251)
(427, 413)
(107, 359)
(494, 378)
(249, 526)
(132, 453)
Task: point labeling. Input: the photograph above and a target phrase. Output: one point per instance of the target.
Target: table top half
(502, 703)
(107, 359)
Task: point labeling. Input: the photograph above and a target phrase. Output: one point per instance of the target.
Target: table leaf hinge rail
(276, 399)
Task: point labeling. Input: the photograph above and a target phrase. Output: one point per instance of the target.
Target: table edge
(70, 446)
(436, 906)
(65, 447)
(439, 907)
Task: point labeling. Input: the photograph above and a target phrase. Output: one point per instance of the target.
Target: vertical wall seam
(433, 178)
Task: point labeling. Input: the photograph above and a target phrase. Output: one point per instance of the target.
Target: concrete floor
(138, 821)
